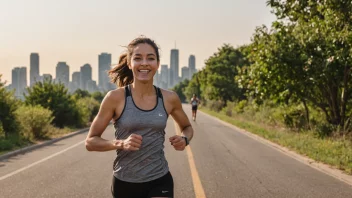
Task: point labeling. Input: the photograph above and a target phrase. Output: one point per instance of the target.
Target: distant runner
(194, 102)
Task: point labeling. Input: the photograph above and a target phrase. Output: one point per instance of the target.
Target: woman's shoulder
(116, 94)
(170, 95)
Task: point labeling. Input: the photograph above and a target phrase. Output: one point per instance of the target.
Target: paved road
(220, 163)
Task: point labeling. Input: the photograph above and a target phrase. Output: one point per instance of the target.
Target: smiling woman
(140, 112)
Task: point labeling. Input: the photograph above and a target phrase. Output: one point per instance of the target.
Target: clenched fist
(132, 143)
(178, 142)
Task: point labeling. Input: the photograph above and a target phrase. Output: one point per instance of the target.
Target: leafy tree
(56, 98)
(218, 78)
(193, 87)
(88, 109)
(98, 96)
(306, 56)
(180, 89)
(8, 106)
(79, 93)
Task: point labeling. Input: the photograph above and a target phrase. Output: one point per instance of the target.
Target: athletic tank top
(194, 102)
(149, 162)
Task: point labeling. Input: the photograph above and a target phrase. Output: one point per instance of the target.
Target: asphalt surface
(228, 163)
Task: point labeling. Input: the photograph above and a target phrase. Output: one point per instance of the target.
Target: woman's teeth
(144, 71)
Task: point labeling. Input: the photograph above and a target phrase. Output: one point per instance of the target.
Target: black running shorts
(162, 187)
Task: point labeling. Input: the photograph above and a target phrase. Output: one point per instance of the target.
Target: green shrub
(8, 105)
(5, 144)
(88, 108)
(215, 105)
(239, 108)
(228, 109)
(324, 130)
(54, 96)
(34, 121)
(2, 132)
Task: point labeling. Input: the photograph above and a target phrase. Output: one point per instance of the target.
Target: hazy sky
(76, 31)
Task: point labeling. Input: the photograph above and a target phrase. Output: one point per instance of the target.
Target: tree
(218, 78)
(98, 96)
(56, 98)
(8, 106)
(180, 89)
(79, 93)
(193, 87)
(306, 56)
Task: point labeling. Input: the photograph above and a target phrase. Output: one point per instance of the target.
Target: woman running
(194, 102)
(140, 112)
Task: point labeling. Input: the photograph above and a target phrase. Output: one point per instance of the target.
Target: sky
(77, 31)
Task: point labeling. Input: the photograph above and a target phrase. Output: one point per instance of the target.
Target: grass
(14, 142)
(334, 152)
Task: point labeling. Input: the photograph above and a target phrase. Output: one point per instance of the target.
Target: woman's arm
(183, 122)
(94, 142)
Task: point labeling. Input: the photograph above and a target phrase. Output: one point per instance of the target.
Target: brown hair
(121, 74)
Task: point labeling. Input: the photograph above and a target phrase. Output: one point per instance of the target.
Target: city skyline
(167, 76)
(79, 36)
(64, 74)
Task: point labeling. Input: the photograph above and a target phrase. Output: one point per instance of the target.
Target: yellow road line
(197, 184)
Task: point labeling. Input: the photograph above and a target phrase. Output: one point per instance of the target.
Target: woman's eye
(151, 59)
(137, 58)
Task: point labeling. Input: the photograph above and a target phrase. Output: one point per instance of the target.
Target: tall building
(104, 67)
(91, 86)
(170, 78)
(19, 80)
(192, 65)
(76, 79)
(47, 77)
(164, 73)
(156, 79)
(63, 73)
(185, 73)
(34, 69)
(86, 75)
(75, 83)
(174, 67)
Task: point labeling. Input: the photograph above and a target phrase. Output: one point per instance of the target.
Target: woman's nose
(144, 61)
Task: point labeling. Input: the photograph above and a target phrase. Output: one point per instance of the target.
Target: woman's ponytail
(121, 74)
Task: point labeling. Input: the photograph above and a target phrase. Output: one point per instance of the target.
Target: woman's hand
(178, 142)
(132, 143)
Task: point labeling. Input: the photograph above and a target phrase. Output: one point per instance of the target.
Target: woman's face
(144, 63)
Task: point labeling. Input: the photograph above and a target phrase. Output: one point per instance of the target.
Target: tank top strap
(158, 92)
(127, 91)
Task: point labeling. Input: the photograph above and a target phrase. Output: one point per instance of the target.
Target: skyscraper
(75, 83)
(63, 73)
(174, 67)
(185, 71)
(76, 78)
(91, 86)
(34, 68)
(164, 73)
(104, 67)
(192, 65)
(86, 76)
(47, 77)
(19, 80)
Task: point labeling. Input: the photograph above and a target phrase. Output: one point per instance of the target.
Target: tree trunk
(344, 95)
(307, 112)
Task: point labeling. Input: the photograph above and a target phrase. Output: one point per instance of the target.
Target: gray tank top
(149, 162)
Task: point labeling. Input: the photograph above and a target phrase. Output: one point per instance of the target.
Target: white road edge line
(40, 161)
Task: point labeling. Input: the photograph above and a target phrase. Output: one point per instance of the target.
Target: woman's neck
(141, 89)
